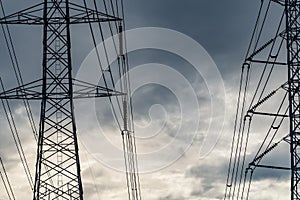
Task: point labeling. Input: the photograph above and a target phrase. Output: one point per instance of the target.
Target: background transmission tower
(281, 50)
(57, 167)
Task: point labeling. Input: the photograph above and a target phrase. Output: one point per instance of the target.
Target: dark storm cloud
(222, 27)
(151, 95)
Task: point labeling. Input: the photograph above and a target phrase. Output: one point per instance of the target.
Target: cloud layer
(223, 28)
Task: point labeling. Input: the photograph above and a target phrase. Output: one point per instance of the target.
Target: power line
(17, 71)
(6, 182)
(128, 138)
(16, 137)
(57, 93)
(271, 53)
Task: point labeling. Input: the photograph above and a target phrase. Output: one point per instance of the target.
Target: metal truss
(81, 90)
(292, 9)
(77, 15)
(292, 36)
(57, 168)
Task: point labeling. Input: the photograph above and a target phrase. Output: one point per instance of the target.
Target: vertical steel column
(58, 170)
(292, 9)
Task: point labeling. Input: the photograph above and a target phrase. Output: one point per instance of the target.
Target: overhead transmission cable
(109, 69)
(16, 68)
(265, 66)
(131, 143)
(16, 137)
(128, 137)
(17, 71)
(235, 185)
(239, 137)
(128, 108)
(130, 102)
(100, 65)
(241, 129)
(260, 98)
(229, 180)
(122, 85)
(6, 182)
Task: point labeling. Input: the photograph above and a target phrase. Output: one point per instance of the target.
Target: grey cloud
(222, 27)
(171, 197)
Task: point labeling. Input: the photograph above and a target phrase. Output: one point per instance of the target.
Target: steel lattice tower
(57, 166)
(292, 9)
(283, 50)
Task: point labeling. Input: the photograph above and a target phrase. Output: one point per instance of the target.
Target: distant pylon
(57, 167)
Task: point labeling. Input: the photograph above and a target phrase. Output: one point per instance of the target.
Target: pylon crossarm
(27, 91)
(78, 14)
(32, 91)
(270, 167)
(31, 15)
(87, 90)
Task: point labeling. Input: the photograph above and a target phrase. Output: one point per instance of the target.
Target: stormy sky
(177, 161)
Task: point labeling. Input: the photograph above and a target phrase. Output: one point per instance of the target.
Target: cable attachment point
(247, 116)
(249, 168)
(246, 65)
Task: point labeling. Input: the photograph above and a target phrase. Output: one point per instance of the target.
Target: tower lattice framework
(282, 50)
(292, 9)
(57, 167)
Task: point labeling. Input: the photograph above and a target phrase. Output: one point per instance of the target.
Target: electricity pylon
(290, 22)
(57, 167)
(292, 11)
